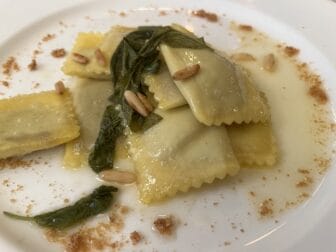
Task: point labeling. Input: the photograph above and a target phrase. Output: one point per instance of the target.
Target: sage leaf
(97, 202)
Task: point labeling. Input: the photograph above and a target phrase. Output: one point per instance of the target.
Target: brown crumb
(269, 62)
(36, 85)
(319, 94)
(211, 17)
(227, 243)
(215, 203)
(291, 51)
(162, 13)
(165, 225)
(48, 37)
(5, 83)
(124, 209)
(59, 87)
(13, 163)
(32, 65)
(265, 208)
(13, 200)
(245, 27)
(305, 182)
(58, 53)
(303, 171)
(76, 242)
(66, 200)
(252, 193)
(135, 237)
(122, 14)
(9, 66)
(242, 230)
(36, 52)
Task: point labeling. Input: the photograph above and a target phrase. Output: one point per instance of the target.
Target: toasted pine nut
(269, 62)
(187, 72)
(243, 57)
(100, 57)
(121, 177)
(134, 101)
(59, 87)
(145, 102)
(79, 58)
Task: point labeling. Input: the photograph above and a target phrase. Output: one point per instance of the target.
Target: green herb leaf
(91, 205)
(111, 128)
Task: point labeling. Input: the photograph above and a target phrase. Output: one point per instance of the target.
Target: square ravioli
(221, 92)
(86, 44)
(36, 121)
(179, 153)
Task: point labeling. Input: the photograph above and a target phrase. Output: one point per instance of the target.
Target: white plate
(306, 24)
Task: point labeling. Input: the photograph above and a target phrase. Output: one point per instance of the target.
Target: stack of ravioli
(213, 123)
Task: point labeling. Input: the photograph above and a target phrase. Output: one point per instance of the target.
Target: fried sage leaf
(103, 151)
(97, 202)
(136, 54)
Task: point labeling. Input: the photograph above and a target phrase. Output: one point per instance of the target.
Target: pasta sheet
(35, 122)
(221, 92)
(179, 153)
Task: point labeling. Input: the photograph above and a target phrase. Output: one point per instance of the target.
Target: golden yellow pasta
(36, 121)
(164, 89)
(221, 92)
(86, 44)
(253, 144)
(179, 153)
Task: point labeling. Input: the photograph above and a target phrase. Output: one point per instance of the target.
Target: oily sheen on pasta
(253, 144)
(164, 89)
(221, 92)
(179, 153)
(36, 121)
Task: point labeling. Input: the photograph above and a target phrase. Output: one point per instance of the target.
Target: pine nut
(121, 177)
(100, 57)
(134, 101)
(145, 102)
(186, 72)
(79, 58)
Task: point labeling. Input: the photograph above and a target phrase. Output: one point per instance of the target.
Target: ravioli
(86, 45)
(164, 89)
(221, 92)
(90, 99)
(253, 144)
(179, 153)
(36, 121)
